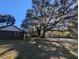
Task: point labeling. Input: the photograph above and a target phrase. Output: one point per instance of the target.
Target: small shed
(11, 32)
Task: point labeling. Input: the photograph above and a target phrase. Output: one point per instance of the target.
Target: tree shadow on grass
(39, 50)
(65, 53)
(42, 50)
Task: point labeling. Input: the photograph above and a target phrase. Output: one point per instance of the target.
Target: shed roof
(10, 28)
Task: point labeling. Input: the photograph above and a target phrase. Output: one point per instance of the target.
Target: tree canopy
(45, 14)
(7, 19)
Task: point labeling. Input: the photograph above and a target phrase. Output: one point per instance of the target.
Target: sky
(17, 8)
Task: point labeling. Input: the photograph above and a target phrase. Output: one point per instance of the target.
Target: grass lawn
(20, 49)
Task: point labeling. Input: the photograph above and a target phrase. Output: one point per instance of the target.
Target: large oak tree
(45, 14)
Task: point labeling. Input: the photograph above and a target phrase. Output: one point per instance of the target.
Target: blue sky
(17, 8)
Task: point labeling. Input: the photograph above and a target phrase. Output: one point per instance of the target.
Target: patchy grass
(35, 49)
(62, 34)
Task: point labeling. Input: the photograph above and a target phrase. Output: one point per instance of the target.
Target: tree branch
(69, 14)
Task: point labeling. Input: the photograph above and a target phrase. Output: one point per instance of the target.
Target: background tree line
(7, 20)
